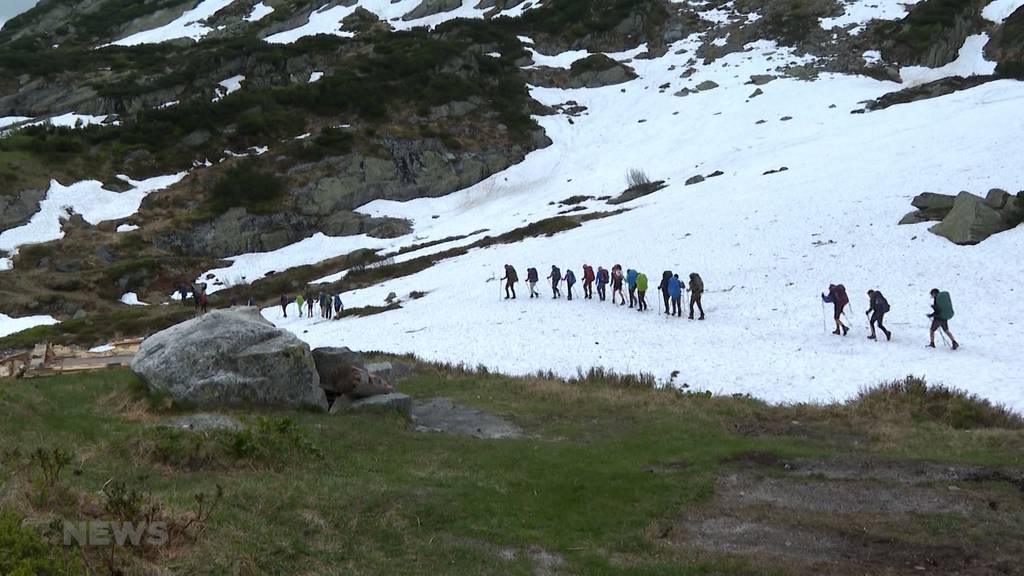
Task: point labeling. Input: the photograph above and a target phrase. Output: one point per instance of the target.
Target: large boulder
(343, 373)
(970, 221)
(230, 357)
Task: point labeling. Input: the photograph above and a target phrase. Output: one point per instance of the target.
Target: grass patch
(914, 399)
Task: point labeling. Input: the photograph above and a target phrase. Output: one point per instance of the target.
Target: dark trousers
(876, 320)
(555, 292)
(664, 295)
(602, 291)
(695, 299)
(677, 306)
(588, 290)
(309, 308)
(632, 296)
(642, 304)
(510, 288)
(568, 291)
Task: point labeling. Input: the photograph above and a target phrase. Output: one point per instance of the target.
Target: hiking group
(878, 307)
(671, 287)
(330, 305)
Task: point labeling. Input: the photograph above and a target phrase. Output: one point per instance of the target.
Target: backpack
(588, 273)
(944, 306)
(696, 284)
(841, 299)
(570, 278)
(556, 274)
(882, 306)
(531, 274)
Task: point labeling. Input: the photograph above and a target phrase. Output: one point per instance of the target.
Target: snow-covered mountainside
(790, 138)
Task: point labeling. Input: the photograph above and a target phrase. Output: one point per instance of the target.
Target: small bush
(913, 398)
(23, 552)
(637, 178)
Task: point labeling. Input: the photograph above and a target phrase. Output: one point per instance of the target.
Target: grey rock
(18, 207)
(431, 7)
(343, 373)
(694, 180)
(384, 370)
(707, 85)
(933, 201)
(760, 79)
(970, 221)
(401, 403)
(443, 415)
(230, 357)
(203, 422)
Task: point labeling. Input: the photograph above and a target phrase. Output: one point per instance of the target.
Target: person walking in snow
(696, 291)
(663, 288)
(675, 293)
(309, 305)
(284, 305)
(531, 280)
(555, 277)
(602, 283)
(837, 297)
(617, 285)
(184, 294)
(338, 306)
(510, 279)
(631, 283)
(298, 303)
(204, 301)
(641, 288)
(877, 308)
(942, 313)
(570, 281)
(588, 282)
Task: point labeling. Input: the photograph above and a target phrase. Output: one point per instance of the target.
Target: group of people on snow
(330, 305)
(878, 307)
(671, 287)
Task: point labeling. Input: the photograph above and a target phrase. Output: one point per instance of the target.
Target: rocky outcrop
(343, 373)
(967, 219)
(593, 71)
(17, 207)
(934, 89)
(431, 7)
(230, 357)
(1007, 46)
(932, 33)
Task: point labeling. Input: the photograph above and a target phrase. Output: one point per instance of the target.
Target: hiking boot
(701, 317)
(888, 335)
(691, 316)
(872, 337)
(845, 330)
(955, 345)
(931, 345)
(836, 332)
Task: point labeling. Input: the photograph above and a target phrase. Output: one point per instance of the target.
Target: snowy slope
(191, 24)
(766, 245)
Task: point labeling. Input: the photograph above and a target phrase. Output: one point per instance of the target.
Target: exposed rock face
(1007, 46)
(926, 91)
(431, 7)
(932, 32)
(343, 373)
(967, 219)
(230, 357)
(593, 71)
(16, 208)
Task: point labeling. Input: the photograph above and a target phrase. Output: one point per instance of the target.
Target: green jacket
(943, 306)
(641, 282)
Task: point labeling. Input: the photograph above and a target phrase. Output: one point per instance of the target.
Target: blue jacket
(674, 288)
(631, 278)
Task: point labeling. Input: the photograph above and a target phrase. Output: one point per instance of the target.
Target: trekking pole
(943, 334)
(824, 322)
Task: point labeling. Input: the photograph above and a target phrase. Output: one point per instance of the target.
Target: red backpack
(840, 297)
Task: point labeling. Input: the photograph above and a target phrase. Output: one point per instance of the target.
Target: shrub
(913, 398)
(247, 186)
(23, 552)
(636, 178)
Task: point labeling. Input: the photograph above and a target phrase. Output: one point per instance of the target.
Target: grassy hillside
(609, 477)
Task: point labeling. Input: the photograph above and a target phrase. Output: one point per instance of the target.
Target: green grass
(365, 493)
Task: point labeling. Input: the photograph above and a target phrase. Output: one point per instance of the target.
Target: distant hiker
(602, 283)
(641, 288)
(203, 301)
(696, 291)
(631, 282)
(184, 294)
(663, 287)
(588, 281)
(531, 281)
(338, 306)
(555, 277)
(675, 293)
(617, 285)
(942, 313)
(510, 281)
(284, 305)
(837, 297)
(195, 297)
(570, 280)
(322, 301)
(309, 305)
(298, 303)
(251, 302)
(877, 308)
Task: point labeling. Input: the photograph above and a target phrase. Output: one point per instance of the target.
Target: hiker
(877, 308)
(195, 297)
(555, 277)
(617, 285)
(570, 280)
(309, 305)
(663, 287)
(284, 305)
(631, 282)
(298, 303)
(942, 312)
(327, 305)
(641, 288)
(588, 281)
(184, 294)
(251, 303)
(531, 281)
(322, 301)
(510, 281)
(696, 291)
(338, 306)
(837, 297)
(675, 292)
(203, 301)
(602, 283)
